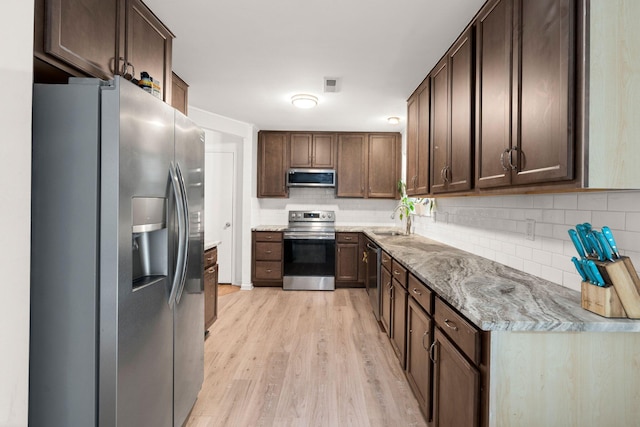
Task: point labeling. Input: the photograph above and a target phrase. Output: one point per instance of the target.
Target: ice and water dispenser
(149, 240)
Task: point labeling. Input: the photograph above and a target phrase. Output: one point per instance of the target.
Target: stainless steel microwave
(311, 178)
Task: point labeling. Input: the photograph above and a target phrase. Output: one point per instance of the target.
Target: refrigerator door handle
(180, 263)
(187, 232)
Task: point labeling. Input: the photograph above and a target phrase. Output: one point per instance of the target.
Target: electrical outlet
(531, 229)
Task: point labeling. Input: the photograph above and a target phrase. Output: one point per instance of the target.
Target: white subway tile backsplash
(572, 217)
(624, 201)
(543, 201)
(565, 201)
(541, 256)
(592, 201)
(615, 220)
(553, 216)
(632, 221)
(551, 274)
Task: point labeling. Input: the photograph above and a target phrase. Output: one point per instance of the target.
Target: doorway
(220, 201)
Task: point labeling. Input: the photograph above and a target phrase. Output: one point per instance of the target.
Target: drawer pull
(450, 324)
(268, 252)
(210, 258)
(423, 337)
(396, 272)
(269, 270)
(212, 270)
(347, 238)
(415, 291)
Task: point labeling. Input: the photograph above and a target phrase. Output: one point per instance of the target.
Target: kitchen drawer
(268, 251)
(386, 261)
(210, 257)
(459, 330)
(268, 270)
(399, 273)
(347, 237)
(268, 236)
(420, 293)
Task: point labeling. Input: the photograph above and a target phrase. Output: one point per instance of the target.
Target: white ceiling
(244, 59)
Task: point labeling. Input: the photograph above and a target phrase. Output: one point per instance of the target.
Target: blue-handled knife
(593, 241)
(580, 269)
(576, 242)
(595, 273)
(606, 231)
(604, 245)
(582, 232)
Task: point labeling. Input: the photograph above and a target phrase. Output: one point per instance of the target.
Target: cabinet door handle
(423, 337)
(450, 324)
(396, 272)
(415, 291)
(504, 166)
(212, 270)
(510, 159)
(432, 352)
(443, 174)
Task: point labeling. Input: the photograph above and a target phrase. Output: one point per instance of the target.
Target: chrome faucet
(393, 214)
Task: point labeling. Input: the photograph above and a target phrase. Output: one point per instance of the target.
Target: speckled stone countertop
(491, 295)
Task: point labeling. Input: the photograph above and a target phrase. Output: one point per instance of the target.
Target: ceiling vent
(331, 84)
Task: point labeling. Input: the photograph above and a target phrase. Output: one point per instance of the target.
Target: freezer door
(189, 308)
(136, 236)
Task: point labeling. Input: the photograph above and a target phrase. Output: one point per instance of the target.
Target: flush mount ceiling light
(394, 120)
(304, 101)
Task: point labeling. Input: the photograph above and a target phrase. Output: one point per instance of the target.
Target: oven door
(309, 261)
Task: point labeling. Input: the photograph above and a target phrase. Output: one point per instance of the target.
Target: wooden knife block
(621, 295)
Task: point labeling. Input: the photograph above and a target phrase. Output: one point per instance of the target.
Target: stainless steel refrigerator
(117, 297)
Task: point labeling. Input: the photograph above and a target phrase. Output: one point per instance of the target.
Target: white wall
(246, 133)
(16, 63)
(494, 227)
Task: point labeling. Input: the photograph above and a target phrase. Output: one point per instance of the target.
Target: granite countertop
(491, 295)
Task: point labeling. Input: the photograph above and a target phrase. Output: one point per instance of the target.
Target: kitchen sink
(387, 233)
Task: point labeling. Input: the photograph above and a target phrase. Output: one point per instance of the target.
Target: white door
(219, 212)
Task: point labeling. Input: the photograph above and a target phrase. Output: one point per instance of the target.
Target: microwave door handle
(185, 236)
(177, 194)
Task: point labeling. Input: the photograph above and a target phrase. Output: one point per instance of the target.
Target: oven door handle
(308, 236)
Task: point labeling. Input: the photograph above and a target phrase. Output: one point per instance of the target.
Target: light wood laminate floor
(301, 358)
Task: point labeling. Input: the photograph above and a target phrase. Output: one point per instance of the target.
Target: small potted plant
(406, 206)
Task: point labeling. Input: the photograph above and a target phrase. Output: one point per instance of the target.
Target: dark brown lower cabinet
(418, 367)
(210, 287)
(456, 386)
(399, 320)
(347, 258)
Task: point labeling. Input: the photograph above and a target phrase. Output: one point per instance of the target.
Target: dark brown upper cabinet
(352, 165)
(148, 46)
(418, 141)
(525, 126)
(101, 38)
(451, 121)
(368, 165)
(272, 164)
(80, 37)
(383, 170)
(312, 150)
(179, 94)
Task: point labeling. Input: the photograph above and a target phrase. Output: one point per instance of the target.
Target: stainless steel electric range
(310, 251)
